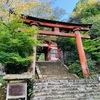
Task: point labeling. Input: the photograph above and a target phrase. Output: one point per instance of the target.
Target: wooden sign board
(16, 91)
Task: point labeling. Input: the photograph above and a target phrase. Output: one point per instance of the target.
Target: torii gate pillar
(33, 65)
(81, 53)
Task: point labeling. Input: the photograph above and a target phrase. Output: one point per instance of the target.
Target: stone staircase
(57, 83)
(57, 70)
(64, 89)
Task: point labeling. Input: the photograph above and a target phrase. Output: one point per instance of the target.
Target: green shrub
(16, 45)
(29, 88)
(75, 68)
(1, 79)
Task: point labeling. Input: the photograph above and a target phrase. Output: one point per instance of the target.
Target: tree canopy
(85, 12)
(16, 42)
(41, 9)
(16, 45)
(91, 15)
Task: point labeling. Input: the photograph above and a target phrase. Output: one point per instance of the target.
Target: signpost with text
(16, 91)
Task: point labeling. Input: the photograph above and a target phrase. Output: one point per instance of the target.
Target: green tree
(93, 46)
(41, 9)
(68, 47)
(78, 12)
(12, 52)
(16, 45)
(85, 12)
(88, 11)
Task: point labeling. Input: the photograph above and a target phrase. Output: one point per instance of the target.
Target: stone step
(57, 84)
(71, 81)
(76, 96)
(66, 86)
(55, 89)
(54, 97)
(59, 76)
(80, 96)
(67, 90)
(70, 90)
(53, 70)
(67, 83)
(67, 93)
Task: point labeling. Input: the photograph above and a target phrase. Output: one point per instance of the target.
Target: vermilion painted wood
(56, 30)
(51, 25)
(81, 54)
(42, 32)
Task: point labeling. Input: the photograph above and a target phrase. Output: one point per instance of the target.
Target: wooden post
(81, 53)
(34, 55)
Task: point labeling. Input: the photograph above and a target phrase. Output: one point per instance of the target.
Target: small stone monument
(17, 89)
(99, 78)
(2, 70)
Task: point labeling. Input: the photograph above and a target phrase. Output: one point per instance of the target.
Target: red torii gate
(69, 30)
